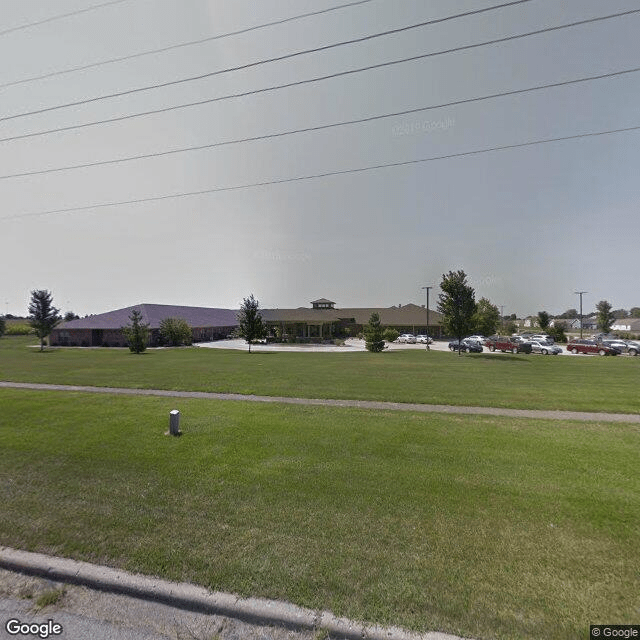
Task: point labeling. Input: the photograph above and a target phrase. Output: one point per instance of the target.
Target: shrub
(19, 330)
(175, 332)
(391, 335)
(557, 332)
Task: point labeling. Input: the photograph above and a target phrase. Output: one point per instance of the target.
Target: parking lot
(351, 345)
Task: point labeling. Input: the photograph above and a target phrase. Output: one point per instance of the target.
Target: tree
(605, 316)
(569, 314)
(43, 316)
(486, 318)
(543, 320)
(457, 304)
(374, 334)
(3, 326)
(175, 332)
(511, 327)
(71, 316)
(557, 332)
(620, 313)
(634, 312)
(136, 332)
(250, 324)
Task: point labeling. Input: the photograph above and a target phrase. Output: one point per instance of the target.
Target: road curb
(194, 598)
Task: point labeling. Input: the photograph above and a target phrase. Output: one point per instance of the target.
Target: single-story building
(321, 321)
(105, 329)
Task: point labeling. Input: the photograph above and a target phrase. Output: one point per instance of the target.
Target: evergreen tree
(374, 334)
(136, 332)
(457, 305)
(250, 324)
(605, 316)
(43, 316)
(543, 320)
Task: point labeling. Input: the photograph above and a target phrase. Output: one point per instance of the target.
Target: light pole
(580, 293)
(428, 289)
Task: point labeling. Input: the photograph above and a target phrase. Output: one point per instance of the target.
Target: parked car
(591, 346)
(633, 348)
(507, 343)
(624, 346)
(479, 339)
(407, 338)
(467, 345)
(424, 339)
(537, 346)
(542, 337)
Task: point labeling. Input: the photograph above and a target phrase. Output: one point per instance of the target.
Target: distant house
(569, 323)
(626, 324)
(104, 329)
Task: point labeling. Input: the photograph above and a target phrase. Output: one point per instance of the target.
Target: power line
(306, 81)
(60, 17)
(316, 176)
(257, 63)
(318, 127)
(180, 45)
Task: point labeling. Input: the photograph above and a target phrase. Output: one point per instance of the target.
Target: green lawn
(485, 527)
(504, 380)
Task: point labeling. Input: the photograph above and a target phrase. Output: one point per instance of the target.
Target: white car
(424, 339)
(479, 339)
(542, 337)
(407, 338)
(538, 346)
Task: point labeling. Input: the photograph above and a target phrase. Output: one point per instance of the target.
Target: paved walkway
(583, 416)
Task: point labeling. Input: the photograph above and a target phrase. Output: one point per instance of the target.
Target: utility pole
(580, 293)
(428, 289)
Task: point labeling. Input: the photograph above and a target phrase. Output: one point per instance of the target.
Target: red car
(506, 343)
(591, 346)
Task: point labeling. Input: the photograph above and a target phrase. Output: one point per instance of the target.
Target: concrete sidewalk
(536, 414)
(189, 597)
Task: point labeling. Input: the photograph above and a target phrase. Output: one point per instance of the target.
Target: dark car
(507, 344)
(592, 346)
(469, 346)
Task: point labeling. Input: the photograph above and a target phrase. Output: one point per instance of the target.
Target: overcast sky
(529, 225)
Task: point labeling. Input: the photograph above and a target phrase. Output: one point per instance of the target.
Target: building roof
(410, 314)
(322, 301)
(153, 314)
(196, 317)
